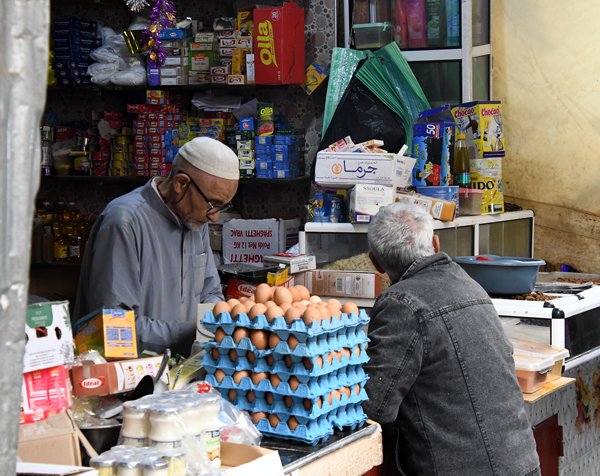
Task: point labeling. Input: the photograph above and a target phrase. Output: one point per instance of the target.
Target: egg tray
(311, 433)
(297, 409)
(315, 346)
(310, 388)
(351, 416)
(228, 323)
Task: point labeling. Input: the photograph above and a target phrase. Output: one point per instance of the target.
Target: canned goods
(335, 209)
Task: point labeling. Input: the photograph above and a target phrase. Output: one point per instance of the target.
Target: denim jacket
(442, 378)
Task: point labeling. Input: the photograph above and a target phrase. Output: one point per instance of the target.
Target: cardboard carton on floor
(52, 441)
(242, 460)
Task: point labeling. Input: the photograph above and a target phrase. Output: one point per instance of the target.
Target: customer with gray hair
(442, 377)
(149, 249)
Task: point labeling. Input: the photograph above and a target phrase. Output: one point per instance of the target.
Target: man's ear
(376, 263)
(436, 243)
(180, 183)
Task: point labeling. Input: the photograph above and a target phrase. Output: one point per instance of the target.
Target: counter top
(547, 389)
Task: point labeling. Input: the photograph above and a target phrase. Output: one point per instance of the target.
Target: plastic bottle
(461, 167)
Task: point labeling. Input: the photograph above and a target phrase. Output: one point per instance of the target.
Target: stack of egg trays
(318, 339)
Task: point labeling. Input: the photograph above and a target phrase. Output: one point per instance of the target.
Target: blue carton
(263, 141)
(433, 147)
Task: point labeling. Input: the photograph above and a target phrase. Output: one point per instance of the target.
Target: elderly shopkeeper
(149, 249)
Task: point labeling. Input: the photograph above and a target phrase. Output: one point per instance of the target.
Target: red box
(44, 393)
(279, 44)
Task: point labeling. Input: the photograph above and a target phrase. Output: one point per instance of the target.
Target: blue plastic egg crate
(313, 432)
(350, 416)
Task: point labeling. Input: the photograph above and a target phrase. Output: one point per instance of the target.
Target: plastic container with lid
(372, 35)
(536, 363)
(157, 467)
(470, 201)
(166, 427)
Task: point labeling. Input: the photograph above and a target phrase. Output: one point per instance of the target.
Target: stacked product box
(156, 134)
(245, 147)
(299, 380)
(213, 126)
(174, 70)
(278, 156)
(72, 42)
(202, 56)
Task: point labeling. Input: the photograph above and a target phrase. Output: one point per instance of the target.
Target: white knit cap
(212, 157)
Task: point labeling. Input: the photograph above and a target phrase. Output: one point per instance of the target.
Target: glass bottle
(47, 245)
(461, 166)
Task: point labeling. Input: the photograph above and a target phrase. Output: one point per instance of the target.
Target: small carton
(439, 209)
(433, 147)
(279, 44)
(316, 74)
(295, 262)
(91, 379)
(345, 169)
(354, 284)
(49, 336)
(481, 121)
(44, 393)
(366, 200)
(109, 331)
(242, 460)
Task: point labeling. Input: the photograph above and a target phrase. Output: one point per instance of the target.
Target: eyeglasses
(212, 209)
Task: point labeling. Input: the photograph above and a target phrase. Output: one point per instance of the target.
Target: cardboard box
(100, 380)
(433, 147)
(53, 441)
(109, 331)
(242, 460)
(44, 393)
(279, 44)
(247, 241)
(482, 123)
(439, 209)
(295, 262)
(352, 284)
(49, 337)
(345, 169)
(365, 201)
(40, 469)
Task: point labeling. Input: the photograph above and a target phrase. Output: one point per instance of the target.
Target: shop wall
(546, 73)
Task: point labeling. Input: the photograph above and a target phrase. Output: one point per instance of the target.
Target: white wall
(546, 72)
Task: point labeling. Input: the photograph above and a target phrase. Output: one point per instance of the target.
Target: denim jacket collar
(436, 259)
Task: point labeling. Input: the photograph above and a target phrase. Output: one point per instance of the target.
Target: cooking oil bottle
(461, 166)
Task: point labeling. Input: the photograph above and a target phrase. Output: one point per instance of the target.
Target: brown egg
(336, 394)
(288, 361)
(306, 302)
(237, 310)
(304, 292)
(239, 334)
(345, 352)
(345, 391)
(350, 308)
(270, 304)
(259, 339)
(257, 310)
(334, 302)
(232, 302)
(239, 375)
(308, 404)
(273, 312)
(296, 295)
(258, 416)
(269, 398)
(258, 377)
(329, 357)
(285, 306)
(220, 308)
(357, 350)
(315, 299)
(249, 304)
(334, 310)
(274, 420)
(219, 335)
(233, 355)
(337, 355)
(251, 356)
(319, 361)
(330, 398)
(294, 382)
(292, 423)
(312, 314)
(263, 293)
(282, 295)
(289, 401)
(215, 354)
(319, 402)
(292, 314)
(308, 365)
(270, 359)
(232, 394)
(274, 340)
(275, 380)
(219, 375)
(357, 389)
(325, 312)
(250, 396)
(293, 342)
